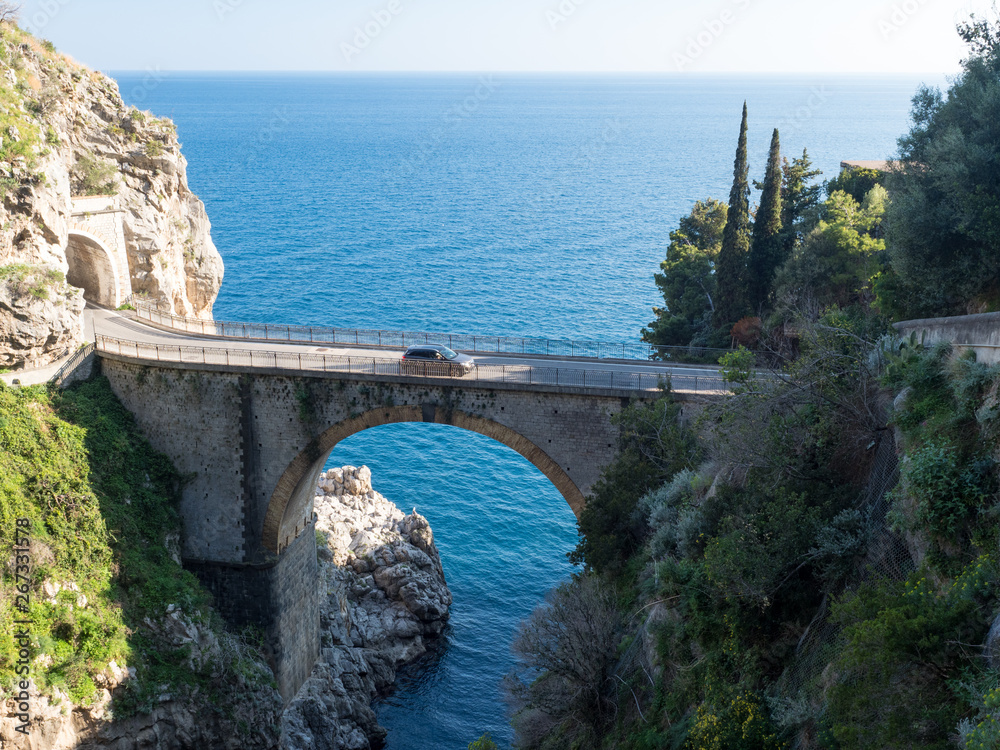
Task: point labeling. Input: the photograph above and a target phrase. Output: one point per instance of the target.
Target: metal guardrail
(71, 364)
(403, 339)
(316, 362)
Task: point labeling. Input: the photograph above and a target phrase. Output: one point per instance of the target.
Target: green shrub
(903, 650)
(947, 491)
(94, 176)
(742, 724)
(737, 367)
(484, 743)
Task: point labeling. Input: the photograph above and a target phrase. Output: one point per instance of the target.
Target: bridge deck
(119, 336)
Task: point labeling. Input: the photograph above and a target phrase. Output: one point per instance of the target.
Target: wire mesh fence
(798, 696)
(604, 379)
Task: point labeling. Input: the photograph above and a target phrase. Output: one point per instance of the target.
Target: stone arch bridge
(253, 429)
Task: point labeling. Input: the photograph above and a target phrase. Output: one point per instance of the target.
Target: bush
(903, 648)
(484, 743)
(567, 649)
(743, 724)
(946, 490)
(654, 445)
(94, 176)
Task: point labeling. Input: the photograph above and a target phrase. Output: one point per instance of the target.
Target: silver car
(436, 359)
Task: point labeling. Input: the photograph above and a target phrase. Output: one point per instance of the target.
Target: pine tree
(766, 251)
(730, 271)
(799, 200)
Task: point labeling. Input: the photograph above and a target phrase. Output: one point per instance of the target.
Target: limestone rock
(386, 596)
(188, 722)
(76, 116)
(35, 330)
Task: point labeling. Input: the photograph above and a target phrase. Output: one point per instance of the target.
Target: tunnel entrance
(92, 268)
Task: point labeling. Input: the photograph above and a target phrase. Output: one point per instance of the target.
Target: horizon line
(672, 73)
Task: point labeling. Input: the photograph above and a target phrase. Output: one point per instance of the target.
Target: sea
(527, 205)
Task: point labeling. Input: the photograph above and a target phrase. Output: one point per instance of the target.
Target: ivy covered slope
(65, 132)
(111, 607)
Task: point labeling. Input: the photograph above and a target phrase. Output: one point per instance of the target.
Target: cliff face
(66, 133)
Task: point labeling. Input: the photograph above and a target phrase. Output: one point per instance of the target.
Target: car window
(448, 353)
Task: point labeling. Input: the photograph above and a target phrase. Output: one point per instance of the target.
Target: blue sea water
(525, 205)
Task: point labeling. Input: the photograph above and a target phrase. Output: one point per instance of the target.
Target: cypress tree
(766, 251)
(730, 271)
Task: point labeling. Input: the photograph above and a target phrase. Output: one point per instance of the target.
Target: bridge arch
(288, 509)
(93, 268)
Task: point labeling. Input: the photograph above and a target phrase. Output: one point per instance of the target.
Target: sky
(662, 36)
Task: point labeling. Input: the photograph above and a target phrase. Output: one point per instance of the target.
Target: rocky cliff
(65, 133)
(385, 596)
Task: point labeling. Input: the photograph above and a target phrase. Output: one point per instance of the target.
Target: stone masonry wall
(194, 418)
(978, 332)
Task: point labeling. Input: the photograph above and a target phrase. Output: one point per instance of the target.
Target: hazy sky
(500, 35)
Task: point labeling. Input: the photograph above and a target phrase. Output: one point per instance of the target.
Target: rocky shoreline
(385, 596)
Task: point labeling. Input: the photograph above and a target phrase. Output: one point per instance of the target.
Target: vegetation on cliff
(105, 582)
(819, 567)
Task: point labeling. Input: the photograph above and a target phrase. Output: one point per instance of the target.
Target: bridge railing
(64, 372)
(317, 362)
(402, 339)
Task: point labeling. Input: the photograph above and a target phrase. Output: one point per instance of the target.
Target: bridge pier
(281, 597)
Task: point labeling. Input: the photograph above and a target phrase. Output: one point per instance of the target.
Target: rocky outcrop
(237, 707)
(37, 325)
(385, 597)
(65, 132)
